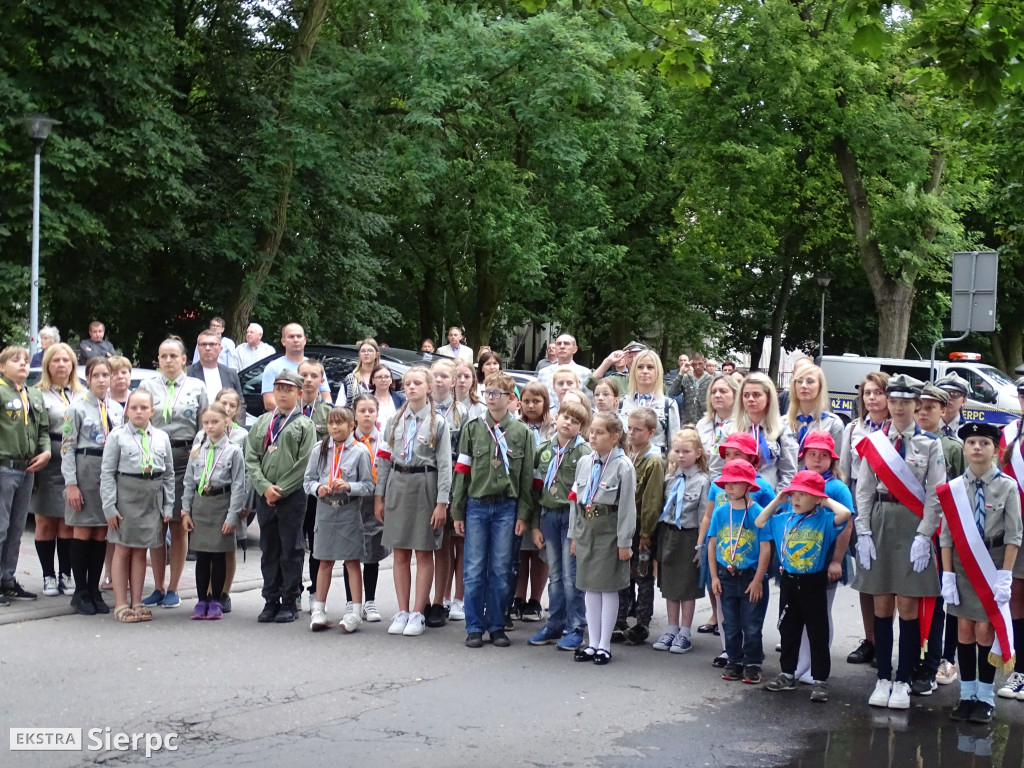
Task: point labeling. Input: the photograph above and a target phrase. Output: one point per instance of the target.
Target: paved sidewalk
(30, 575)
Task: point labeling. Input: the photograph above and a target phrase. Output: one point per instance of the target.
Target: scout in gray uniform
(602, 521)
(87, 422)
(365, 408)
(952, 416)
(60, 387)
(987, 533)
(455, 415)
(24, 450)
(1011, 450)
(214, 495)
(137, 491)
(276, 452)
(178, 401)
(315, 409)
(414, 480)
(339, 472)
(885, 535)
(686, 495)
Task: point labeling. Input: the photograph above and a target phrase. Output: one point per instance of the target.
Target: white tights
(602, 611)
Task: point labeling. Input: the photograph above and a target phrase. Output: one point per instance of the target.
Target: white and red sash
(892, 470)
(977, 563)
(464, 463)
(1016, 466)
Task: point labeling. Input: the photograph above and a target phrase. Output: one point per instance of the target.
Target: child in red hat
(738, 567)
(803, 536)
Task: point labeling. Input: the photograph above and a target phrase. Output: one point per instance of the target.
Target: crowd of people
(595, 486)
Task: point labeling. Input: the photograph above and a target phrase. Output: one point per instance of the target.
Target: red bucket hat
(741, 441)
(820, 439)
(808, 481)
(738, 471)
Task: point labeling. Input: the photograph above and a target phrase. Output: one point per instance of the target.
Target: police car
(992, 397)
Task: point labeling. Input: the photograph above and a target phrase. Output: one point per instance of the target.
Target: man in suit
(210, 371)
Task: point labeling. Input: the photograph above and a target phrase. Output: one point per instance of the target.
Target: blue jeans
(566, 610)
(742, 619)
(487, 562)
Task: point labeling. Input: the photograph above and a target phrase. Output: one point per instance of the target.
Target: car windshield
(996, 375)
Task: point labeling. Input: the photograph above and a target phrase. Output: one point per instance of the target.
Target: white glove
(1004, 579)
(865, 550)
(949, 592)
(920, 553)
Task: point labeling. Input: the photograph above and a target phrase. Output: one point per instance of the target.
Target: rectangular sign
(46, 739)
(975, 275)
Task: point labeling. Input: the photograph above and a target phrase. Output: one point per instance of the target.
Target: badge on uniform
(495, 463)
(271, 448)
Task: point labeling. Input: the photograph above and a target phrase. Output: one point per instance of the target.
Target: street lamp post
(38, 128)
(823, 281)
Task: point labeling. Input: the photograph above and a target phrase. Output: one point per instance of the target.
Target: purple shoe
(214, 611)
(200, 612)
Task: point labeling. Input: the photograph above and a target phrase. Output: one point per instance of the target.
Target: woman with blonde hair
(646, 387)
(360, 380)
(716, 426)
(809, 408)
(757, 412)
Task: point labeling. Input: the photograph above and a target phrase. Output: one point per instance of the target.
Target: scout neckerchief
(336, 469)
(145, 449)
(442, 411)
(104, 415)
(719, 429)
(978, 566)
(734, 540)
(644, 400)
(371, 445)
(62, 393)
(1016, 467)
(169, 387)
(535, 430)
(652, 450)
(307, 410)
(500, 446)
(597, 470)
(805, 425)
(762, 445)
(270, 441)
(23, 394)
(551, 474)
(888, 462)
(409, 432)
(210, 466)
(674, 502)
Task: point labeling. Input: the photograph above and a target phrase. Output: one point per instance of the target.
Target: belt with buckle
(181, 443)
(593, 511)
(216, 491)
(15, 463)
(405, 469)
(995, 541)
(887, 498)
(139, 477)
(336, 503)
(730, 571)
(56, 437)
(88, 451)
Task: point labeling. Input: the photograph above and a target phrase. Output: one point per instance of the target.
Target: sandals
(602, 657)
(143, 612)
(125, 615)
(584, 654)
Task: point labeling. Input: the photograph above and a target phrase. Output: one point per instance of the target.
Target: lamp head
(38, 126)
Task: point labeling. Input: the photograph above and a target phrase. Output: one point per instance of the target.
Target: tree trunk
(755, 350)
(779, 316)
(268, 241)
(894, 306)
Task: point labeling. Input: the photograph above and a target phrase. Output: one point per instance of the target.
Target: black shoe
(636, 635)
(516, 611)
(436, 616)
(864, 653)
(225, 603)
(99, 604)
(15, 591)
(619, 632)
(602, 657)
(286, 614)
(922, 683)
(719, 661)
(269, 612)
(584, 653)
(707, 629)
(475, 640)
(82, 604)
(4, 601)
(732, 672)
(963, 709)
(752, 674)
(532, 611)
(500, 639)
(981, 713)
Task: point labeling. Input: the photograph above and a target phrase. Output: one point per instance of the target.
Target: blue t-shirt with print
(736, 527)
(764, 495)
(803, 541)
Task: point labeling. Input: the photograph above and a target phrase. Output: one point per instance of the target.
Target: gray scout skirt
(893, 528)
(338, 530)
(598, 568)
(140, 504)
(91, 516)
(1018, 565)
(970, 607)
(678, 575)
(409, 501)
(373, 532)
(208, 513)
(48, 497)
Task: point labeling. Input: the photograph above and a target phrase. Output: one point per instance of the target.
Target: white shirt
(212, 378)
(244, 355)
(546, 376)
(462, 353)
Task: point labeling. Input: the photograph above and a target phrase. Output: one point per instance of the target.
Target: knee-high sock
(45, 550)
(883, 646)
(64, 555)
(592, 601)
(910, 648)
(97, 554)
(370, 572)
(609, 614)
(967, 656)
(1018, 644)
(81, 559)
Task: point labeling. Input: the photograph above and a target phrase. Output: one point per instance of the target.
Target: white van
(992, 397)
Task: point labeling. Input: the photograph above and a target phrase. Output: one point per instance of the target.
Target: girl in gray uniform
(137, 490)
(60, 388)
(87, 422)
(757, 412)
(236, 434)
(602, 521)
(210, 507)
(414, 479)
(365, 409)
(178, 401)
(809, 406)
(465, 390)
(339, 473)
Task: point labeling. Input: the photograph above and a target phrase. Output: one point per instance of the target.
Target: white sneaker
(1013, 686)
(349, 608)
(458, 611)
(947, 673)
(66, 583)
(881, 694)
(50, 586)
(370, 612)
(308, 598)
(318, 622)
(416, 625)
(350, 622)
(900, 696)
(398, 623)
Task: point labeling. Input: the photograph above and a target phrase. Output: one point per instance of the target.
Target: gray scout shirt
(354, 467)
(1002, 508)
(84, 427)
(123, 454)
(695, 497)
(228, 469)
(392, 449)
(188, 400)
(617, 486)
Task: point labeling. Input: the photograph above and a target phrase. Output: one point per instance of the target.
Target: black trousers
(281, 547)
(643, 586)
(308, 525)
(804, 604)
